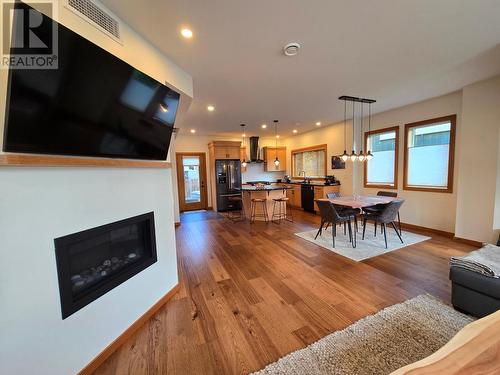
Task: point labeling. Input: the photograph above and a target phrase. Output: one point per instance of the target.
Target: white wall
(40, 204)
(478, 161)
(427, 209)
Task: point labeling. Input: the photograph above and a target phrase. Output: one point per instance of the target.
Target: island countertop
(265, 188)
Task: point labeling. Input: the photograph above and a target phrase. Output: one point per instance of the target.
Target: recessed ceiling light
(193, 131)
(291, 49)
(243, 135)
(278, 136)
(295, 131)
(318, 123)
(263, 126)
(211, 108)
(187, 33)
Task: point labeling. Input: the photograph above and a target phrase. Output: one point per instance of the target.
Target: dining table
(360, 201)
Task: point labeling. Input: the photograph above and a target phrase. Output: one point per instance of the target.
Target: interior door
(192, 181)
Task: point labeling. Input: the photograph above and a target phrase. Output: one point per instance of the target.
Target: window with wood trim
(429, 155)
(382, 170)
(311, 160)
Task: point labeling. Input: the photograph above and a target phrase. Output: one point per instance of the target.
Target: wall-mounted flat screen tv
(93, 104)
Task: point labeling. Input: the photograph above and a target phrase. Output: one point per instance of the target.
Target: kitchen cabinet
(295, 196)
(225, 150)
(270, 154)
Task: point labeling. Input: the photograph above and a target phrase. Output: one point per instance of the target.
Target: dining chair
(386, 216)
(330, 214)
(380, 207)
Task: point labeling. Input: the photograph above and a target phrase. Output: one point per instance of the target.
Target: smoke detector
(291, 49)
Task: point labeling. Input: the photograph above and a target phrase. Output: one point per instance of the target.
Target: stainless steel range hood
(255, 154)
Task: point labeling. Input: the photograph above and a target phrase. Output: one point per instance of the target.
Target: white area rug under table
(370, 247)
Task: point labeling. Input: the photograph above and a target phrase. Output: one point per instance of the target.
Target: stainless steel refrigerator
(228, 183)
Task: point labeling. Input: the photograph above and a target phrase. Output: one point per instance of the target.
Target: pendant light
(345, 156)
(243, 135)
(276, 161)
(369, 155)
(353, 153)
(361, 155)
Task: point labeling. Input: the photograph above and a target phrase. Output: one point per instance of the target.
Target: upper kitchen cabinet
(225, 150)
(270, 154)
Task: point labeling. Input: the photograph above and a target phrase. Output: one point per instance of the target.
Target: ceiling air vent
(97, 15)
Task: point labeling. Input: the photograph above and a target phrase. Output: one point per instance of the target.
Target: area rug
(370, 247)
(378, 344)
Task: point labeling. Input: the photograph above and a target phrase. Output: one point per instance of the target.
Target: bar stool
(284, 210)
(256, 202)
(236, 215)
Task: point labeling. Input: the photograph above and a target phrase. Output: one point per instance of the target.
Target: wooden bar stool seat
(281, 210)
(262, 202)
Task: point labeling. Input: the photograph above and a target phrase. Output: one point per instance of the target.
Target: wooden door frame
(203, 205)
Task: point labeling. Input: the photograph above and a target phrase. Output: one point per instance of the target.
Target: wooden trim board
(396, 159)
(26, 160)
(425, 229)
(120, 340)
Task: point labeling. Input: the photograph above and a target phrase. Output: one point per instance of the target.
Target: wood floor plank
(252, 293)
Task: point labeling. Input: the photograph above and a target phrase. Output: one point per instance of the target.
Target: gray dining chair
(330, 214)
(386, 216)
(380, 207)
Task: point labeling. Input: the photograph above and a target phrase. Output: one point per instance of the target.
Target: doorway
(192, 181)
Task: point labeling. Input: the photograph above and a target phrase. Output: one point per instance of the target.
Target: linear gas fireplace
(92, 262)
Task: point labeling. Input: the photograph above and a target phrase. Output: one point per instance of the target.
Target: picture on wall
(337, 163)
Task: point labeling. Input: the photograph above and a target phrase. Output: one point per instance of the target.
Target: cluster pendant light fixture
(361, 155)
(276, 161)
(243, 136)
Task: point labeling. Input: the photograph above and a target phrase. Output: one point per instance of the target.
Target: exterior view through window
(429, 154)
(381, 171)
(191, 166)
(312, 161)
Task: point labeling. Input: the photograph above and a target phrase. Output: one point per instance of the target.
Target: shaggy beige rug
(378, 344)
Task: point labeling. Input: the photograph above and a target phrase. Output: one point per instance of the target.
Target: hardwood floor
(251, 293)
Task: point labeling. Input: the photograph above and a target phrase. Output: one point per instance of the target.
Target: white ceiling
(395, 51)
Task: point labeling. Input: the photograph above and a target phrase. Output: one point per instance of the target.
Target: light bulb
(361, 156)
(344, 156)
(369, 155)
(277, 162)
(244, 164)
(353, 156)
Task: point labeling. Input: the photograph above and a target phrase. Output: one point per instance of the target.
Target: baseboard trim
(468, 242)
(120, 340)
(431, 230)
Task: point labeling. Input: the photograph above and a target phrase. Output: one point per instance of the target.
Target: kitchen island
(267, 192)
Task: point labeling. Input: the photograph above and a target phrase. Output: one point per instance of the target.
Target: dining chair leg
(399, 225)
(364, 227)
(334, 232)
(350, 230)
(354, 240)
(385, 233)
(327, 225)
(345, 229)
(375, 232)
(355, 223)
(396, 229)
(319, 230)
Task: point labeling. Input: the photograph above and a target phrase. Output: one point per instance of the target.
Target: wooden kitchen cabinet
(270, 154)
(225, 150)
(294, 196)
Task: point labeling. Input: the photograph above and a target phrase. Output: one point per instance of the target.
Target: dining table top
(360, 201)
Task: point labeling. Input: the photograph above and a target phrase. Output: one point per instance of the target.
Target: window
(429, 152)
(382, 170)
(311, 160)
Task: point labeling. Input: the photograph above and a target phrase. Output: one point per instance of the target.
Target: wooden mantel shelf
(25, 160)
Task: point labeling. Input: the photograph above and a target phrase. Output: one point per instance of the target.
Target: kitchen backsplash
(255, 172)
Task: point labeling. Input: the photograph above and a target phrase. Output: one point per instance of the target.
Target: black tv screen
(93, 104)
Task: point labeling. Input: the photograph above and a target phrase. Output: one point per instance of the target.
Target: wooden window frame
(396, 159)
(451, 155)
(322, 147)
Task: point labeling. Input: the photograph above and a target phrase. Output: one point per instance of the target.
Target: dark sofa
(474, 293)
